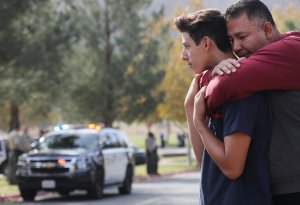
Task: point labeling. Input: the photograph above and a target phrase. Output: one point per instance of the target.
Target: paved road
(181, 189)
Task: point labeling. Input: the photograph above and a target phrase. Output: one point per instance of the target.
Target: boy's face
(194, 55)
(245, 35)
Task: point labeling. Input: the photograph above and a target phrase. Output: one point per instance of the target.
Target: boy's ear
(268, 29)
(206, 42)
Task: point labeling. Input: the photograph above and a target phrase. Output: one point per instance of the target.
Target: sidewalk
(5, 198)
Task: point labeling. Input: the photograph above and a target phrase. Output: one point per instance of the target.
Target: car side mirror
(34, 145)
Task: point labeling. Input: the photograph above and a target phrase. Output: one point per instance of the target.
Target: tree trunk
(108, 123)
(14, 122)
(109, 116)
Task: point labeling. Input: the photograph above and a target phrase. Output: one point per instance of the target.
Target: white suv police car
(79, 159)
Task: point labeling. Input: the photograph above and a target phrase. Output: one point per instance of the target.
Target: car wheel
(5, 169)
(96, 190)
(64, 193)
(27, 195)
(127, 183)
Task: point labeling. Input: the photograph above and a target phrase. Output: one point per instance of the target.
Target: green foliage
(287, 17)
(120, 71)
(292, 24)
(33, 40)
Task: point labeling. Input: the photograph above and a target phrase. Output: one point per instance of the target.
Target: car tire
(64, 193)
(96, 190)
(4, 168)
(127, 183)
(27, 195)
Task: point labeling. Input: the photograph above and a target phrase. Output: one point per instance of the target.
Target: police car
(3, 156)
(77, 159)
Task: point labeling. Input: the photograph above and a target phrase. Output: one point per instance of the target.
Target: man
(14, 144)
(234, 166)
(152, 156)
(273, 65)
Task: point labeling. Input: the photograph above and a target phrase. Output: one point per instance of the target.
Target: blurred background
(106, 61)
(114, 62)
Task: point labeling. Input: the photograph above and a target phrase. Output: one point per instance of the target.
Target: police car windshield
(71, 141)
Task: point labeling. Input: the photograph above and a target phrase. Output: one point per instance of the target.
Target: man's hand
(199, 115)
(189, 99)
(227, 66)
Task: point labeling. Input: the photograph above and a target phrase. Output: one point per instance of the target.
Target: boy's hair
(255, 10)
(208, 22)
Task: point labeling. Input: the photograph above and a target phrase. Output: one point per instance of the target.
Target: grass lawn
(6, 188)
(168, 165)
(139, 141)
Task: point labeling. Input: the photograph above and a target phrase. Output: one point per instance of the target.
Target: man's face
(194, 55)
(245, 35)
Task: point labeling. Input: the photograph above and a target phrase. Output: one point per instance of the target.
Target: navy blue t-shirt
(250, 116)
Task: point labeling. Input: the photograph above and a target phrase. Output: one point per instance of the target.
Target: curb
(159, 176)
(15, 197)
(10, 198)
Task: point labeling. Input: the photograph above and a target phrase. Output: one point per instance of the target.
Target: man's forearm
(265, 70)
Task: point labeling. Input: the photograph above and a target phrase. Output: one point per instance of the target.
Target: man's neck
(276, 36)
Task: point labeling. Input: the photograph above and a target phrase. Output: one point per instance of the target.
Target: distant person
(151, 154)
(162, 140)
(41, 133)
(25, 141)
(14, 144)
(181, 139)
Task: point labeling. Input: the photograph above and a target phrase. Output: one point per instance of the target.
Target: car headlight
(23, 165)
(22, 162)
(79, 165)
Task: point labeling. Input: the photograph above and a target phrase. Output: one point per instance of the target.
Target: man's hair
(208, 22)
(255, 10)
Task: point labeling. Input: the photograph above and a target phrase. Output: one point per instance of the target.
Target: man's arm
(229, 156)
(189, 109)
(275, 66)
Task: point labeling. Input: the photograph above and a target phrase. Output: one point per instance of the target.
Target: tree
(32, 44)
(120, 72)
(160, 41)
(287, 18)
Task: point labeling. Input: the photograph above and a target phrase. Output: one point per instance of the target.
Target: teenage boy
(234, 165)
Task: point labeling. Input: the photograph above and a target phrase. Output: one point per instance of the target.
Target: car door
(3, 155)
(109, 158)
(121, 156)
